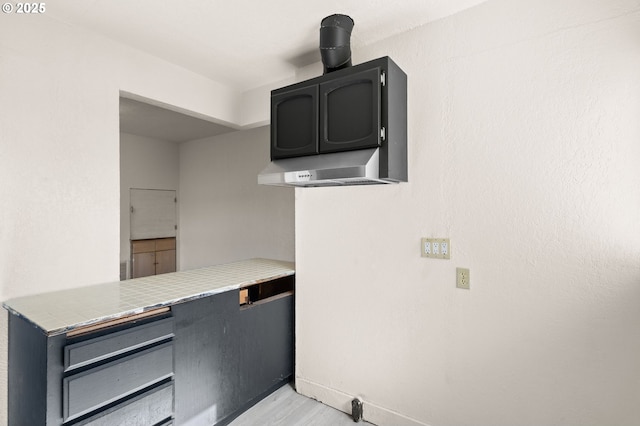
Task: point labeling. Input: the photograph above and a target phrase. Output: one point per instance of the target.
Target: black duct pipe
(335, 42)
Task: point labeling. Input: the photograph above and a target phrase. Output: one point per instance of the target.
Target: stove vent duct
(335, 42)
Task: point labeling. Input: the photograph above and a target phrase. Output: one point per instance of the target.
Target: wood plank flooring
(285, 407)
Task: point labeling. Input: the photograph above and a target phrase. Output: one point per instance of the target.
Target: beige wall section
(145, 163)
(59, 151)
(4, 348)
(523, 149)
(255, 105)
(224, 214)
(60, 164)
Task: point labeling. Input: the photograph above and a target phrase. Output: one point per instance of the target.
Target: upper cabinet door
(294, 123)
(350, 112)
(153, 213)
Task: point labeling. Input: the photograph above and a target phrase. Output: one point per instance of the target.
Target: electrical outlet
(444, 248)
(462, 278)
(436, 248)
(426, 247)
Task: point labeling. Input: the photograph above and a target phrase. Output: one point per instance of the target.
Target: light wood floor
(285, 407)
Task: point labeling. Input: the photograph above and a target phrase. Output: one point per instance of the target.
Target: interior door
(153, 213)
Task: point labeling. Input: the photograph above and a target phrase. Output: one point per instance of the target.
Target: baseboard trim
(339, 400)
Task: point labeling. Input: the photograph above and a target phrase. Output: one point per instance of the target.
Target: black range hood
(346, 127)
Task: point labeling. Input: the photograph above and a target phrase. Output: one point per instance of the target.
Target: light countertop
(62, 311)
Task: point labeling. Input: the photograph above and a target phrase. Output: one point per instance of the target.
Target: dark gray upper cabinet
(340, 111)
(294, 122)
(350, 110)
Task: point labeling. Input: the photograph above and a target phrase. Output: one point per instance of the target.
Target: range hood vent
(345, 127)
(337, 169)
(335, 42)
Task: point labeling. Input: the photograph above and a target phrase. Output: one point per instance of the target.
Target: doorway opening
(150, 136)
(153, 223)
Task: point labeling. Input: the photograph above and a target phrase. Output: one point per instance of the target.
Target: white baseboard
(371, 413)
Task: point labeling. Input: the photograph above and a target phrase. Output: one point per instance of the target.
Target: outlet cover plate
(435, 248)
(463, 278)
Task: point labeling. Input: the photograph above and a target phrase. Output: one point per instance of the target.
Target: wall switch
(436, 248)
(462, 278)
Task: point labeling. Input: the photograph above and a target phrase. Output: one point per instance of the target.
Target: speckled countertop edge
(65, 310)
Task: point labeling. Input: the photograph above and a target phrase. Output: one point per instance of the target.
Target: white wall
(59, 151)
(60, 147)
(524, 150)
(145, 163)
(224, 214)
(255, 105)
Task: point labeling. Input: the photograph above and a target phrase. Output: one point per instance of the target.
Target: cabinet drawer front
(143, 246)
(104, 347)
(92, 389)
(150, 408)
(165, 244)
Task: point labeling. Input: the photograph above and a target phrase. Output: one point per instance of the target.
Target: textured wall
(60, 147)
(145, 163)
(524, 150)
(224, 214)
(59, 151)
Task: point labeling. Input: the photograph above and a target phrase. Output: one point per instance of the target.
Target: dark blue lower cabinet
(91, 390)
(149, 408)
(114, 375)
(201, 364)
(229, 356)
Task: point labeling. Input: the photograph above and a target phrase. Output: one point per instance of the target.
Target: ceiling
(143, 119)
(244, 44)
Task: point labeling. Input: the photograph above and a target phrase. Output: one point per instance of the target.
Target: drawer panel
(165, 244)
(92, 389)
(143, 246)
(150, 408)
(101, 348)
